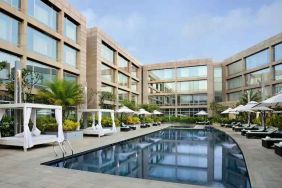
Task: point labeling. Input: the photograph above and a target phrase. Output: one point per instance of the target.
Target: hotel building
(48, 37)
(110, 69)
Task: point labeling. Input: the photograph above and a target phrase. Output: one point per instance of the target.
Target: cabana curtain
(27, 134)
(2, 112)
(93, 119)
(113, 121)
(58, 115)
(99, 126)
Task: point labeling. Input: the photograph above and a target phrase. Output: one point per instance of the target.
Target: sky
(156, 31)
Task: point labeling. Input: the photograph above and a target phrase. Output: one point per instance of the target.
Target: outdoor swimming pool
(202, 157)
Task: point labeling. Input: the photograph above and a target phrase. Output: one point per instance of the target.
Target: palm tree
(254, 96)
(61, 92)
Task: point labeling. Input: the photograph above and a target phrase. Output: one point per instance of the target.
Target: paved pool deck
(264, 166)
(23, 169)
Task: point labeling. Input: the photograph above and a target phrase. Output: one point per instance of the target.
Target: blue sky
(163, 30)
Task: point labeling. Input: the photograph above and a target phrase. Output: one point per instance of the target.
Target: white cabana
(227, 111)
(202, 113)
(156, 112)
(97, 129)
(28, 139)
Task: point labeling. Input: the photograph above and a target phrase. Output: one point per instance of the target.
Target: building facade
(179, 87)
(110, 69)
(258, 68)
(47, 37)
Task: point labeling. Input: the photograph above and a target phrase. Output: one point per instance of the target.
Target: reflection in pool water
(177, 155)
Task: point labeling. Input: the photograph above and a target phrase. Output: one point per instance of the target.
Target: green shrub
(7, 126)
(131, 120)
(107, 121)
(49, 124)
(70, 125)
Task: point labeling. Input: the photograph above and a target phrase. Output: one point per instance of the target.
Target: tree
(216, 108)
(106, 96)
(62, 92)
(130, 104)
(254, 96)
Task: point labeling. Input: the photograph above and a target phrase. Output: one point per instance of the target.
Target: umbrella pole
(249, 118)
(264, 122)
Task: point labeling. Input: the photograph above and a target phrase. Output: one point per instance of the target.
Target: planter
(70, 135)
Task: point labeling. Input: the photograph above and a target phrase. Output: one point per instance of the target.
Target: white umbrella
(227, 111)
(143, 112)
(156, 112)
(202, 113)
(124, 109)
(235, 110)
(263, 110)
(275, 101)
(248, 108)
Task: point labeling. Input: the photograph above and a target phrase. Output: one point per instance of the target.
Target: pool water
(201, 157)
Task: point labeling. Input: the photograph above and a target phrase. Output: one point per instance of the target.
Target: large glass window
(235, 67)
(258, 59)
(43, 13)
(10, 61)
(123, 80)
(107, 53)
(277, 88)
(41, 43)
(188, 100)
(123, 63)
(165, 87)
(191, 72)
(257, 77)
(217, 75)
(134, 85)
(70, 29)
(278, 52)
(107, 73)
(192, 86)
(162, 74)
(47, 73)
(123, 95)
(162, 100)
(70, 77)
(12, 3)
(9, 29)
(234, 96)
(134, 98)
(190, 111)
(134, 70)
(278, 72)
(70, 56)
(107, 88)
(235, 82)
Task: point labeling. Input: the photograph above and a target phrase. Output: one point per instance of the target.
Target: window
(162, 100)
(70, 29)
(217, 74)
(107, 73)
(278, 52)
(134, 98)
(107, 53)
(234, 83)
(123, 95)
(70, 56)
(190, 111)
(258, 59)
(123, 80)
(192, 86)
(277, 88)
(47, 73)
(134, 70)
(43, 13)
(107, 88)
(123, 63)
(278, 72)
(235, 67)
(12, 3)
(134, 85)
(70, 77)
(43, 44)
(257, 77)
(165, 87)
(9, 29)
(162, 74)
(188, 100)
(10, 61)
(234, 96)
(192, 72)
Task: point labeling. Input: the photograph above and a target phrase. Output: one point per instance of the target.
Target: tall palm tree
(254, 96)
(61, 92)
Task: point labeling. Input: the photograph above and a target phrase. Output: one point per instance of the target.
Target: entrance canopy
(29, 113)
(99, 112)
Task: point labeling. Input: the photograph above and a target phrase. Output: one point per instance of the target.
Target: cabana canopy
(99, 112)
(29, 113)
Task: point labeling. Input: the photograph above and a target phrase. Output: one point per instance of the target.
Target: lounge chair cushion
(280, 144)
